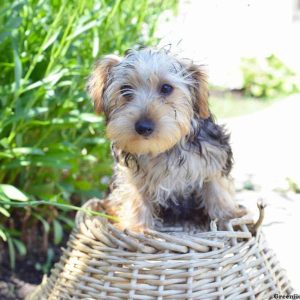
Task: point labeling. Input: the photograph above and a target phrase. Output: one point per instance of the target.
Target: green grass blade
(3, 235)
(4, 212)
(12, 253)
(12, 192)
(57, 232)
(17, 65)
(20, 247)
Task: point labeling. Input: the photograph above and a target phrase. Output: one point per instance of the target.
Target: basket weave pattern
(101, 262)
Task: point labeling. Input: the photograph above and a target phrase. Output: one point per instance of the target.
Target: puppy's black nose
(144, 127)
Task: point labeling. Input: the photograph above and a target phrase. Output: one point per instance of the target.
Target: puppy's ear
(200, 86)
(98, 79)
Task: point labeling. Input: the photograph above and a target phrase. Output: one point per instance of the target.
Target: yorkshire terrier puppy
(170, 154)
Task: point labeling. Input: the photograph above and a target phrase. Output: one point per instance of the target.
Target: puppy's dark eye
(126, 91)
(166, 89)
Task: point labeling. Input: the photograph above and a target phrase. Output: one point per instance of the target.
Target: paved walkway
(266, 148)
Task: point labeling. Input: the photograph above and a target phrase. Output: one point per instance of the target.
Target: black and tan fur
(185, 163)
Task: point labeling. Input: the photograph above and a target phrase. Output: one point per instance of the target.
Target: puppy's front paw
(227, 213)
(239, 212)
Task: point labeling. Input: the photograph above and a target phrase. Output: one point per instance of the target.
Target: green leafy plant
(52, 148)
(267, 78)
(293, 185)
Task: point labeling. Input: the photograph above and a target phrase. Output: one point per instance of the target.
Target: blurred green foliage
(294, 185)
(52, 146)
(267, 78)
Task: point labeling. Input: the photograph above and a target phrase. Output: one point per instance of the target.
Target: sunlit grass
(229, 106)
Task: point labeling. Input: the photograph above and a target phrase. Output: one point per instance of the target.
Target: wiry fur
(185, 163)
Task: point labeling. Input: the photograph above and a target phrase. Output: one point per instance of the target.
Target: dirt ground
(15, 285)
(12, 288)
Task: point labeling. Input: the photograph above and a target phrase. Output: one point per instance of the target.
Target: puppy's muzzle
(144, 127)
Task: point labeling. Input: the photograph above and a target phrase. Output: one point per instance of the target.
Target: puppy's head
(149, 98)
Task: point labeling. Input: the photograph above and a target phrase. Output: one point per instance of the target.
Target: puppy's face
(149, 98)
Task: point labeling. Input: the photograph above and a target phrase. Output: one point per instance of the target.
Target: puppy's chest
(171, 176)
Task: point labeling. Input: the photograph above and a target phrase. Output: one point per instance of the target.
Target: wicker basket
(101, 262)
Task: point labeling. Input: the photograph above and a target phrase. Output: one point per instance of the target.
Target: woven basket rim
(181, 238)
(103, 262)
